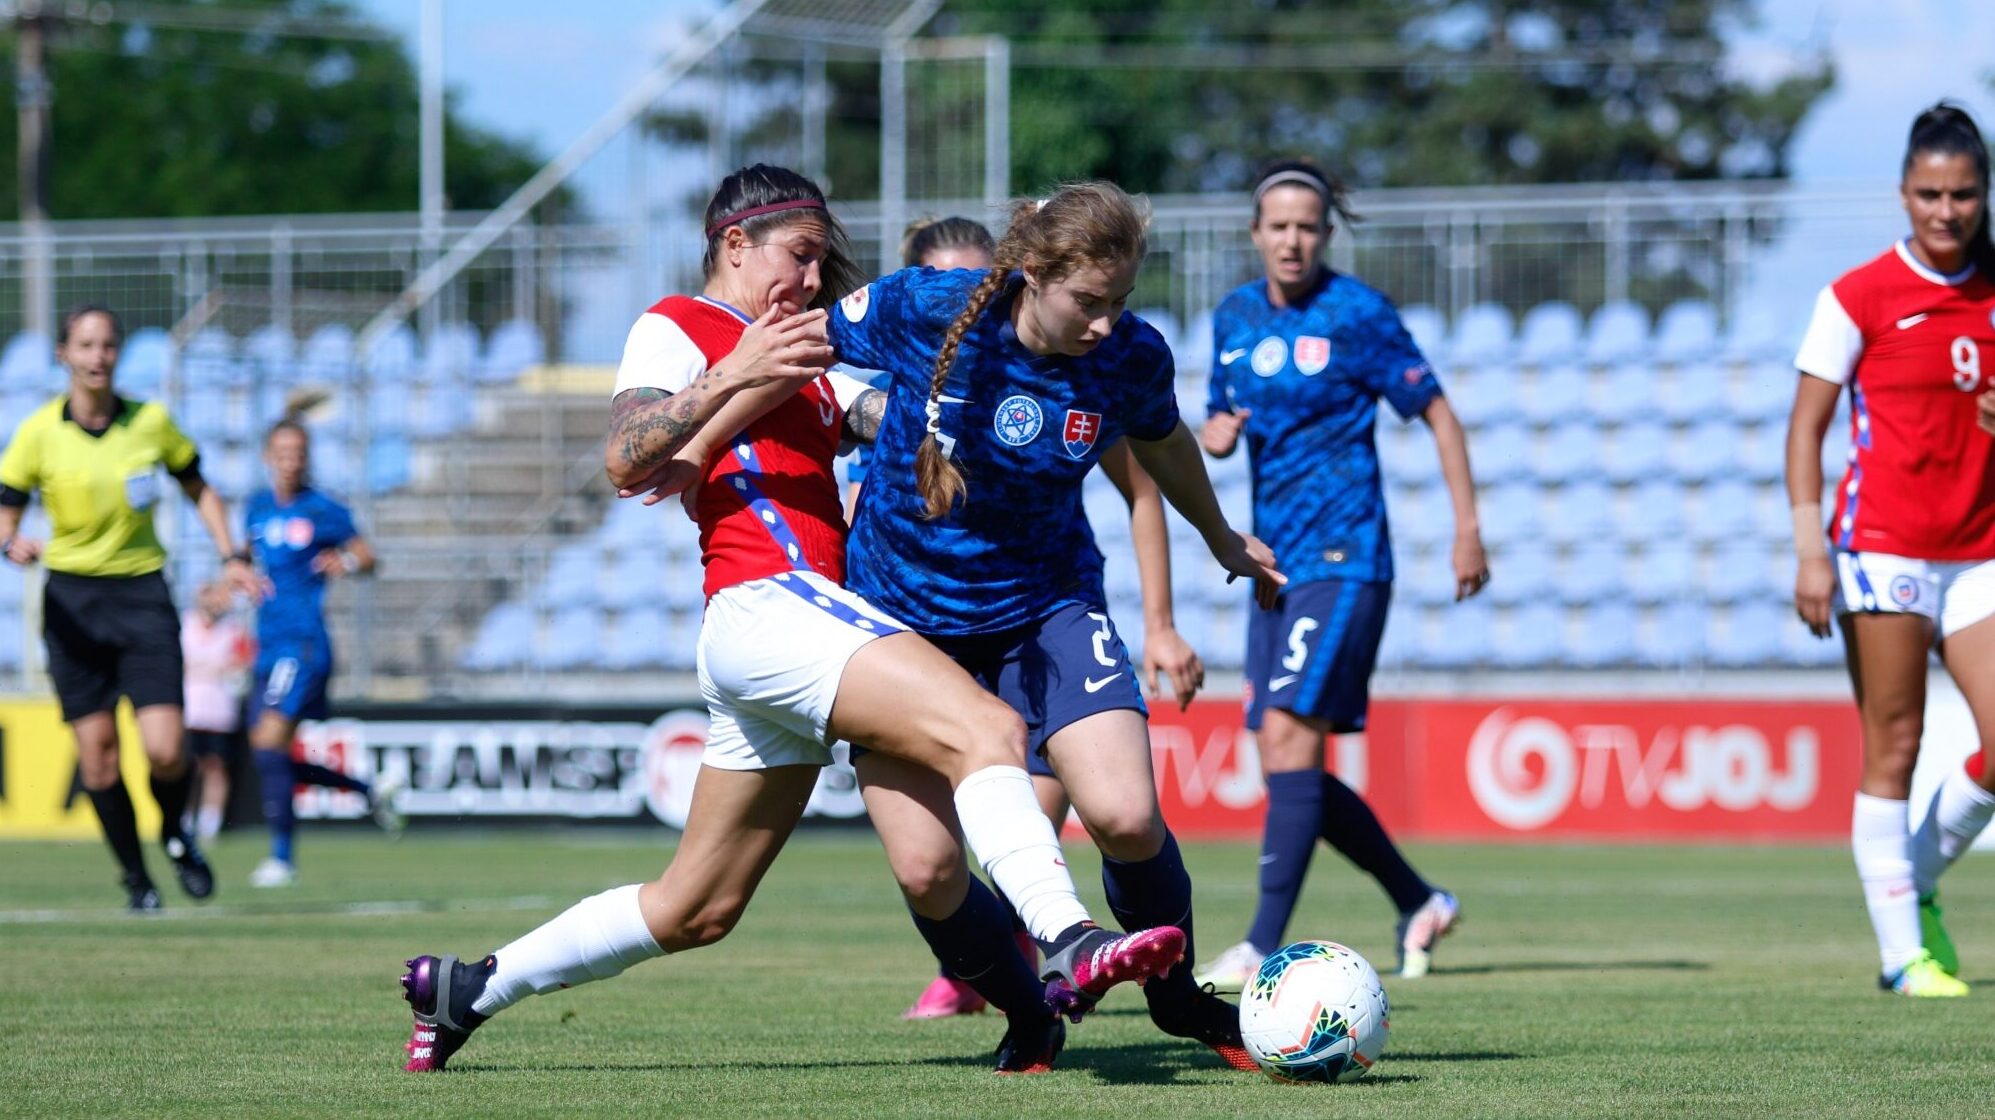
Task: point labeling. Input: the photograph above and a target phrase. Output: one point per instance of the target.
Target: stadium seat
(574, 577)
(1406, 453)
(1664, 572)
(635, 639)
(1523, 572)
(1421, 516)
(1605, 636)
(1429, 331)
(1534, 633)
(632, 523)
(515, 344)
(573, 640)
(1556, 396)
(1759, 333)
(1427, 576)
(1748, 634)
(1761, 451)
(391, 407)
(1594, 571)
(1570, 451)
(1738, 572)
(387, 464)
(1692, 394)
(505, 639)
(11, 589)
(269, 351)
(327, 358)
(450, 353)
(1161, 318)
(29, 360)
(631, 581)
(1725, 509)
(1456, 636)
(1638, 452)
(1397, 648)
(1704, 451)
(1510, 513)
(1482, 336)
(1686, 332)
(392, 357)
(1653, 512)
(210, 361)
(1487, 394)
(1801, 648)
(203, 412)
(1764, 392)
(1674, 636)
(1619, 332)
(1194, 353)
(1500, 453)
(12, 638)
(232, 469)
(1624, 394)
(1550, 334)
(1581, 512)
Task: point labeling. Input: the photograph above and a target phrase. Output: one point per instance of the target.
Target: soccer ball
(1314, 1012)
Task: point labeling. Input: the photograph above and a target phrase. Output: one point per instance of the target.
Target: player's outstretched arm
(1175, 463)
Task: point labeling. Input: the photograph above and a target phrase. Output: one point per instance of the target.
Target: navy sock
(312, 774)
(1295, 818)
(975, 946)
(273, 768)
(121, 828)
(1353, 829)
(1155, 892)
(172, 794)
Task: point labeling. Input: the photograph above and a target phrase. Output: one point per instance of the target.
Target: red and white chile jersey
(1915, 347)
(769, 501)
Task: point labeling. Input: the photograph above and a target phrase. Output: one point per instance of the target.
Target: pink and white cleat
(1418, 931)
(945, 996)
(1095, 960)
(441, 990)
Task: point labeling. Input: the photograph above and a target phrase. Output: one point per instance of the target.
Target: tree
(168, 122)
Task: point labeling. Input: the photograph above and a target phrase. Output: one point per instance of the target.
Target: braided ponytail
(937, 477)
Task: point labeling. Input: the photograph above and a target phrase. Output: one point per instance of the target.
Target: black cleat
(196, 878)
(1203, 1017)
(141, 897)
(1031, 1044)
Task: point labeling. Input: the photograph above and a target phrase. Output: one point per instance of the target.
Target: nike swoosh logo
(944, 398)
(1228, 357)
(1279, 683)
(1266, 860)
(1911, 321)
(1093, 685)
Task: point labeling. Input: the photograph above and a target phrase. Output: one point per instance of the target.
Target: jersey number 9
(1966, 364)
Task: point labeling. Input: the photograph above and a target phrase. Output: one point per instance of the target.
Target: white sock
(208, 824)
(1883, 849)
(1960, 810)
(1017, 847)
(594, 939)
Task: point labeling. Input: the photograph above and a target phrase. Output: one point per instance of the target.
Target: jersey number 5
(1966, 364)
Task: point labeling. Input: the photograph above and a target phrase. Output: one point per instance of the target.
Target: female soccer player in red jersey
(1909, 556)
(789, 660)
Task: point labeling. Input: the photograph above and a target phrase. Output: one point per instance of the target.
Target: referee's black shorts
(111, 636)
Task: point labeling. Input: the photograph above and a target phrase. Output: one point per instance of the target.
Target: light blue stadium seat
(1550, 334)
(392, 357)
(1765, 392)
(573, 639)
(1638, 452)
(267, 349)
(1581, 512)
(1674, 636)
(679, 580)
(1605, 636)
(1421, 516)
(11, 638)
(1482, 336)
(1625, 394)
(1499, 453)
(391, 407)
(505, 639)
(636, 639)
(1569, 451)
(632, 580)
(327, 358)
(1593, 572)
(388, 464)
(203, 413)
(231, 469)
(1522, 572)
(1427, 576)
(450, 353)
(1748, 634)
(1692, 394)
(1619, 332)
(1664, 572)
(1161, 318)
(1759, 333)
(1556, 396)
(11, 590)
(1406, 453)
(1485, 394)
(1740, 571)
(15, 404)
(1457, 636)
(1533, 637)
(1686, 332)
(1654, 511)
(332, 467)
(574, 577)
(681, 640)
(632, 523)
(1194, 354)
(1429, 331)
(1396, 649)
(1510, 513)
(1726, 508)
(1761, 451)
(1703, 451)
(209, 360)
(1799, 647)
(28, 360)
(440, 408)
(515, 344)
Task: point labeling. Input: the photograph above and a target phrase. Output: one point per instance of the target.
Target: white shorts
(771, 653)
(1954, 594)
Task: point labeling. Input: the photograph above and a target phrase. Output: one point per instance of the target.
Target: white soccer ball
(1314, 1012)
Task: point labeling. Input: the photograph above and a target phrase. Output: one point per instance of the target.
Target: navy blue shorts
(292, 679)
(1312, 654)
(1055, 672)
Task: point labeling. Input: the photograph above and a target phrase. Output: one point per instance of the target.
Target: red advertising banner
(1548, 768)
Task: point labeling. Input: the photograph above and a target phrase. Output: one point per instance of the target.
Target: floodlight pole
(893, 149)
(430, 202)
(33, 94)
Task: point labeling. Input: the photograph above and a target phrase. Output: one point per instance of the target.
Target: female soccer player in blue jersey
(1006, 387)
(301, 538)
(1302, 357)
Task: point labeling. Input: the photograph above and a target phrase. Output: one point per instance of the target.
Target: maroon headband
(757, 211)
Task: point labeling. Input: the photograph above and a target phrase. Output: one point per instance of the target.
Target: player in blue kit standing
(1303, 356)
(301, 538)
(1007, 384)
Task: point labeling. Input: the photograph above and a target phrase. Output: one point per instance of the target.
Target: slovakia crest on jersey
(1019, 419)
(1312, 354)
(1082, 429)
(298, 532)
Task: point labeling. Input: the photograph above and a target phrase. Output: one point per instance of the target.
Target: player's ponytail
(762, 198)
(1080, 224)
(1946, 129)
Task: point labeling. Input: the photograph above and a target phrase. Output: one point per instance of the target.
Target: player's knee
(1129, 832)
(930, 876)
(1891, 742)
(704, 926)
(989, 733)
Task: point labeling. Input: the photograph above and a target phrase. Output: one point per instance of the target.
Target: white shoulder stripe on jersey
(1833, 343)
(658, 354)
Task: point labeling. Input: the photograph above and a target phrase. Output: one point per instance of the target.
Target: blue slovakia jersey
(1312, 376)
(285, 538)
(1025, 430)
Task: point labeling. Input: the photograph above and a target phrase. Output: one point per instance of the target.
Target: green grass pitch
(1586, 981)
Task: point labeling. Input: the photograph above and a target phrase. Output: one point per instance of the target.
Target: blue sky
(542, 72)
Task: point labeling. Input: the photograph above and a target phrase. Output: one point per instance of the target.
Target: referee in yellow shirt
(107, 617)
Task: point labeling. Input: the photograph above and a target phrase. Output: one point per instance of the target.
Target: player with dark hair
(107, 616)
(789, 660)
(1302, 357)
(302, 538)
(1007, 387)
(1908, 560)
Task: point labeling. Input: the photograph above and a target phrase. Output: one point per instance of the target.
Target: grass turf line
(1635, 982)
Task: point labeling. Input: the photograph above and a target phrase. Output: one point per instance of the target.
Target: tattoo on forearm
(862, 420)
(639, 416)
